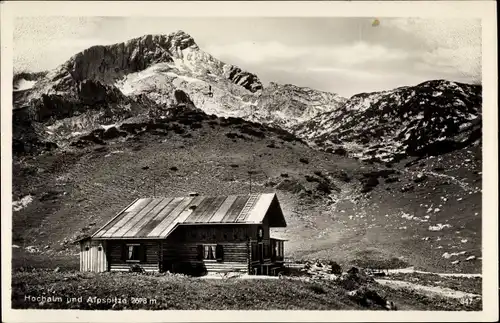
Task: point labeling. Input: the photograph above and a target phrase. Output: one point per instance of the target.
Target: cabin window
(134, 252)
(211, 252)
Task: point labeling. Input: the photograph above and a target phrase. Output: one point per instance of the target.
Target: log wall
(150, 261)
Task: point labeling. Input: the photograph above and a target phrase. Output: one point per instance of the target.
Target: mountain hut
(192, 234)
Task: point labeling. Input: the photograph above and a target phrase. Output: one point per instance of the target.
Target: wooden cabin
(192, 234)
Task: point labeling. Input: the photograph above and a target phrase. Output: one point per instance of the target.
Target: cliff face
(107, 64)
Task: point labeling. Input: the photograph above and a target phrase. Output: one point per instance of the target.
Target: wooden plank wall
(211, 233)
(93, 256)
(235, 256)
(126, 267)
(182, 245)
(217, 233)
(151, 262)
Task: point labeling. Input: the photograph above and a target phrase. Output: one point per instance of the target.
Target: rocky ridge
(430, 118)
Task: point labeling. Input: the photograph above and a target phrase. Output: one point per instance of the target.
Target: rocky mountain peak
(107, 63)
(182, 40)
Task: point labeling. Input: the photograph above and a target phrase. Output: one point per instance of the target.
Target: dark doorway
(261, 252)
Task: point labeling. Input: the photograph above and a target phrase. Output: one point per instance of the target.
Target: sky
(343, 55)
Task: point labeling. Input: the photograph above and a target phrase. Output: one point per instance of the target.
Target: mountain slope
(336, 207)
(428, 119)
(158, 114)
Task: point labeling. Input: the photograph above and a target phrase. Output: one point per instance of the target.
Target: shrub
(340, 151)
(323, 187)
(342, 175)
(336, 268)
(311, 179)
(178, 129)
(290, 186)
(369, 184)
(101, 149)
(304, 160)
(316, 288)
(392, 180)
(252, 132)
(270, 184)
(112, 133)
(173, 168)
(196, 125)
(233, 135)
(407, 188)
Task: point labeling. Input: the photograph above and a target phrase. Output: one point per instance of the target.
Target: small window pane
(133, 252)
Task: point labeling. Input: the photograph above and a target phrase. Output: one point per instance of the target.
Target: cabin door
(167, 265)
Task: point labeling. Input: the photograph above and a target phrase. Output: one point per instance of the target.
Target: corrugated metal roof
(153, 218)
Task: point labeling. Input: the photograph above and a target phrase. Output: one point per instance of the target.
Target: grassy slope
(177, 292)
(77, 191)
(377, 230)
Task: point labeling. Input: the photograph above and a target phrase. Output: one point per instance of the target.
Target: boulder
(370, 298)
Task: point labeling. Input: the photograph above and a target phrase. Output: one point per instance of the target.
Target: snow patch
(438, 227)
(24, 84)
(106, 127)
(22, 203)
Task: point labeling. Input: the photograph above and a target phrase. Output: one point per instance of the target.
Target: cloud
(410, 48)
(465, 61)
(450, 32)
(343, 55)
(451, 46)
(316, 57)
(56, 52)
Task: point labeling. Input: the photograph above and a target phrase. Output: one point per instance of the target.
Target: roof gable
(156, 218)
(274, 214)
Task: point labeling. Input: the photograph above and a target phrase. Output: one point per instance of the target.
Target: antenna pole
(154, 185)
